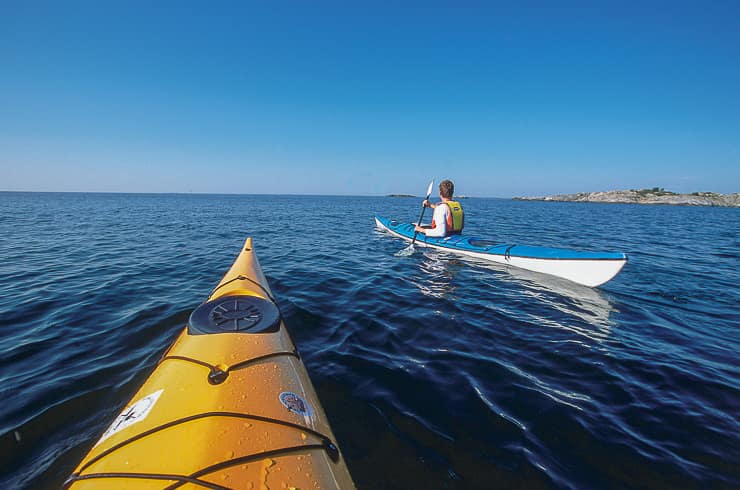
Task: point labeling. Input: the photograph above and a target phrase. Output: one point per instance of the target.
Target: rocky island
(656, 195)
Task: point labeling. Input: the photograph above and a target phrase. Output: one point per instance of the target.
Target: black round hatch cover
(245, 314)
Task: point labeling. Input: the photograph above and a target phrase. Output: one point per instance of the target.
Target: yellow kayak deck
(229, 405)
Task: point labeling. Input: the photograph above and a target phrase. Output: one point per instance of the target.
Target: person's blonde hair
(446, 189)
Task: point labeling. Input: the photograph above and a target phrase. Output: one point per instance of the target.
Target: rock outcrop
(646, 196)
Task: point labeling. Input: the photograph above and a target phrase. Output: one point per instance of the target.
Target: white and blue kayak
(588, 268)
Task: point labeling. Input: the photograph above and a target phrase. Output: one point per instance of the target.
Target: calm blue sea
(435, 371)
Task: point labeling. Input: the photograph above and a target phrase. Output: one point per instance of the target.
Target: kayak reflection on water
(438, 279)
(579, 309)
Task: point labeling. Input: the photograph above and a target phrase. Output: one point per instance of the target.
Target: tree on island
(657, 191)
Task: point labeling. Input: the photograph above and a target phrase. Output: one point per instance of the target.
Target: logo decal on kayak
(295, 403)
(135, 413)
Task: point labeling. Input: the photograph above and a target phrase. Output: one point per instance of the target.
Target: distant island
(656, 195)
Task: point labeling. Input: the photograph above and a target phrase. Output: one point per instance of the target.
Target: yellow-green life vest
(456, 218)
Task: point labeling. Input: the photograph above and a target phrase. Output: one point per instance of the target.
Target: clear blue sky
(506, 99)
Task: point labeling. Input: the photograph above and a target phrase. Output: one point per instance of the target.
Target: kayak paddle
(410, 249)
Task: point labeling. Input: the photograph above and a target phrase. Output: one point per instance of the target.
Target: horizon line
(394, 195)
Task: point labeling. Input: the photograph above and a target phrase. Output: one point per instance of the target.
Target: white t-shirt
(440, 221)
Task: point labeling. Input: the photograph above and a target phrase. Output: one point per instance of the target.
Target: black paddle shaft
(421, 217)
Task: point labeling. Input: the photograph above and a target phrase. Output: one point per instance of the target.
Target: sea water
(435, 371)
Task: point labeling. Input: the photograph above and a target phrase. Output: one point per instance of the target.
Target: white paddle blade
(429, 189)
(406, 251)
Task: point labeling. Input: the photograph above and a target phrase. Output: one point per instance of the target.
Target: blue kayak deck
(489, 247)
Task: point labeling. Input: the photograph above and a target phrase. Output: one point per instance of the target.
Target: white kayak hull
(587, 268)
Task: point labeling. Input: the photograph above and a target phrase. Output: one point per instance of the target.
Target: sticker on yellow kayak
(295, 403)
(135, 413)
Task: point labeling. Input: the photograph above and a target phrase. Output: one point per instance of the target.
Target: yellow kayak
(229, 405)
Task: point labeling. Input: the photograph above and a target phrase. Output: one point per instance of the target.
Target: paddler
(449, 218)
